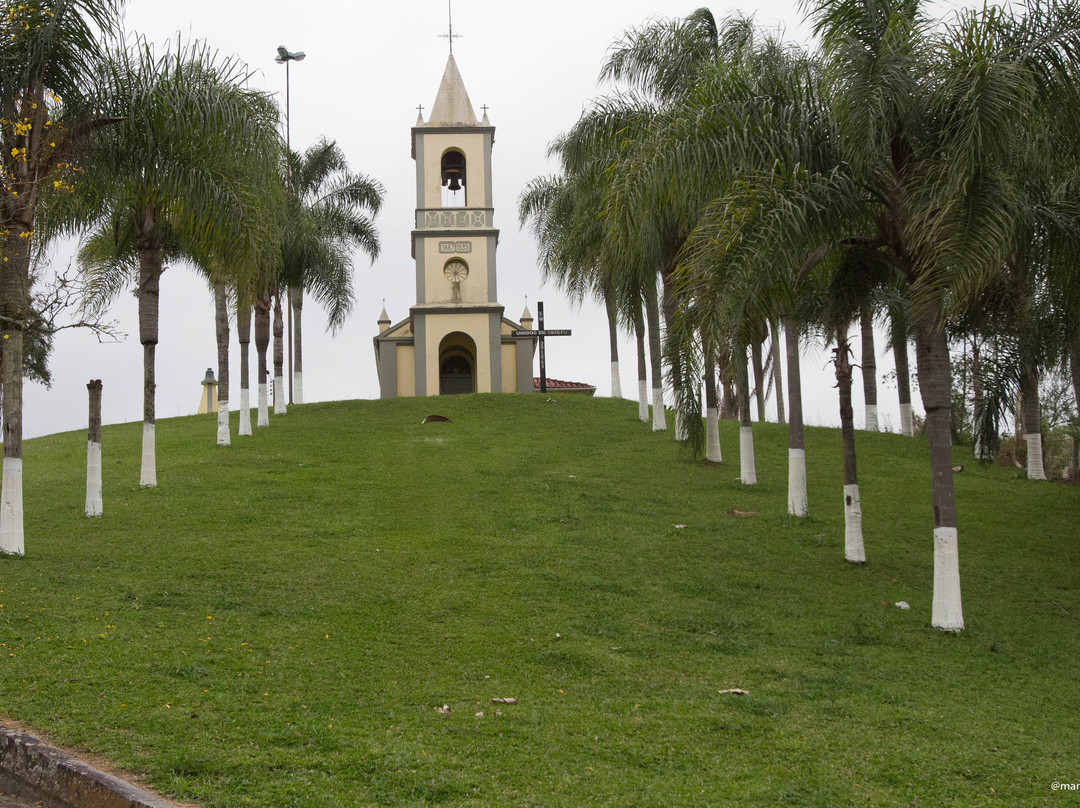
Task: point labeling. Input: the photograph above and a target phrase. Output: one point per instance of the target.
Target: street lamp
(284, 56)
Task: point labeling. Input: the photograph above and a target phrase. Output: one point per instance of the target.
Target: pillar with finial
(384, 320)
(208, 402)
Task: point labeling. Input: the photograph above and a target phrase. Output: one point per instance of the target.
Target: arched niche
(452, 172)
(457, 364)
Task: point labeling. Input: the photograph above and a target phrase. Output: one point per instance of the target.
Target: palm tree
(565, 214)
(262, 343)
(243, 331)
(189, 174)
(330, 214)
(47, 53)
(221, 332)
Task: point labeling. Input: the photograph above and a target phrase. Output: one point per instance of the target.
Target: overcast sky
(368, 66)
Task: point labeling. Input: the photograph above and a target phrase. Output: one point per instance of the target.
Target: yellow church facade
(455, 339)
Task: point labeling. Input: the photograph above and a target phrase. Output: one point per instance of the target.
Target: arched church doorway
(457, 365)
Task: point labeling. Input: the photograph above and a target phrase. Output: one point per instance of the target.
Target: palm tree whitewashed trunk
(280, 401)
(243, 330)
(613, 342)
(853, 534)
(759, 377)
(747, 465)
(221, 316)
(777, 371)
(262, 344)
(652, 313)
(712, 414)
(1029, 392)
(798, 503)
(903, 383)
(935, 383)
(150, 269)
(869, 369)
(296, 293)
(642, 365)
(14, 300)
(93, 451)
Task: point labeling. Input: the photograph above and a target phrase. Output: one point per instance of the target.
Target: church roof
(560, 386)
(452, 105)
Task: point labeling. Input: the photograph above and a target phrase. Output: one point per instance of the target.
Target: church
(455, 339)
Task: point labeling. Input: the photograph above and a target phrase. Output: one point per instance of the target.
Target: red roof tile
(559, 384)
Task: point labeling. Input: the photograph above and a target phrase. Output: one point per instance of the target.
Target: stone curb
(32, 770)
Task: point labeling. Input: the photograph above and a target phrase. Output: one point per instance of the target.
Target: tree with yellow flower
(51, 53)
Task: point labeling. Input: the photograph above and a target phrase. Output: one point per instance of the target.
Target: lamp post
(284, 57)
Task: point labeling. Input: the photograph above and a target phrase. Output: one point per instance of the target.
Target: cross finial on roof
(451, 36)
(484, 107)
(420, 108)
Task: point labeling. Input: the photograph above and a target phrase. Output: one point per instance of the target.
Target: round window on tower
(456, 270)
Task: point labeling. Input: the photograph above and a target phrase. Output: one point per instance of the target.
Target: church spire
(452, 105)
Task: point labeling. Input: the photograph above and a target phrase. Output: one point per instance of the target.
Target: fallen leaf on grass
(957, 468)
(680, 527)
(735, 691)
(432, 419)
(444, 710)
(504, 701)
(735, 512)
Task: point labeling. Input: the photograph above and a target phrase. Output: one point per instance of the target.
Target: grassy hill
(275, 624)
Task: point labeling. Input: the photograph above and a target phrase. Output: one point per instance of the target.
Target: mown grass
(276, 623)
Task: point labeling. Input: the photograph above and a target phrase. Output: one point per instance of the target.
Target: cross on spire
(451, 36)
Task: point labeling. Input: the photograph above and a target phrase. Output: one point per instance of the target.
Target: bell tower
(460, 342)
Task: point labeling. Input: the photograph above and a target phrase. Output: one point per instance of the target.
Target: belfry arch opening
(452, 170)
(457, 364)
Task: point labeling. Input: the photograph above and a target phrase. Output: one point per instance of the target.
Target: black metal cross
(540, 333)
(450, 36)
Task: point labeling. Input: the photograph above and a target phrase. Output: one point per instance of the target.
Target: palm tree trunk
(853, 535)
(935, 382)
(280, 402)
(759, 377)
(93, 451)
(1029, 391)
(297, 295)
(978, 403)
(221, 316)
(652, 313)
(1074, 367)
(869, 369)
(243, 330)
(670, 303)
(262, 344)
(613, 342)
(903, 380)
(642, 365)
(712, 420)
(150, 269)
(14, 272)
(778, 376)
(729, 401)
(798, 503)
(747, 465)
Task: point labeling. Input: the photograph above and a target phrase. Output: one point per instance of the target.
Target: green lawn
(276, 623)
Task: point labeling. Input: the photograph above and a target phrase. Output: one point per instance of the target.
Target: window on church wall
(453, 179)
(455, 270)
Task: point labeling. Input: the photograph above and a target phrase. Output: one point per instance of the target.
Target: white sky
(368, 66)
